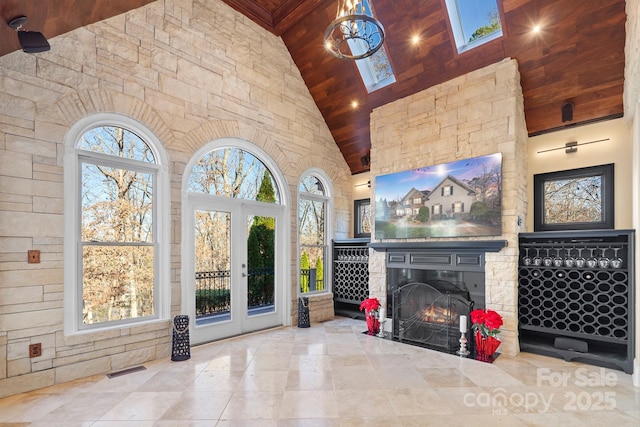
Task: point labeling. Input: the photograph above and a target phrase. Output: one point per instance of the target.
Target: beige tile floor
(334, 375)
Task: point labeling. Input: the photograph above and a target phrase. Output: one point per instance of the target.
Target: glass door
(234, 269)
(261, 271)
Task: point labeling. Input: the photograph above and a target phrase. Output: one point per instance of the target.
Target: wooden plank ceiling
(578, 56)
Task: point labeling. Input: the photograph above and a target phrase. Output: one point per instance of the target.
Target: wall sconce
(572, 147)
(30, 41)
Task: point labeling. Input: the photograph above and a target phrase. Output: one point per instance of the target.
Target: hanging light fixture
(355, 33)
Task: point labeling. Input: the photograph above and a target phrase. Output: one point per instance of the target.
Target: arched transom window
(233, 172)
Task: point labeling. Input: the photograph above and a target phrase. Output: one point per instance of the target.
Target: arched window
(113, 216)
(233, 172)
(313, 233)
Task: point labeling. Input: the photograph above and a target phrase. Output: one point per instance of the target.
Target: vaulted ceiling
(577, 57)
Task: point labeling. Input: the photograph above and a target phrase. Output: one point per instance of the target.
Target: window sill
(115, 331)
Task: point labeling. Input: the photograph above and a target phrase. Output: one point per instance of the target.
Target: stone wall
(189, 70)
(632, 60)
(474, 115)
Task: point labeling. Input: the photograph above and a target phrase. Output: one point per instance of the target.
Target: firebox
(428, 314)
(468, 284)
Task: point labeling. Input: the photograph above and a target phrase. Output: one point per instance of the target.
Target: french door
(234, 271)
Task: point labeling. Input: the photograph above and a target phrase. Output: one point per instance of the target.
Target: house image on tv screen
(455, 199)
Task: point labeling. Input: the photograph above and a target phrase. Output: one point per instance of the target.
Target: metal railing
(213, 290)
(309, 281)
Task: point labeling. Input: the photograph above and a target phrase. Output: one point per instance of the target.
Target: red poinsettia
(370, 307)
(487, 322)
(370, 304)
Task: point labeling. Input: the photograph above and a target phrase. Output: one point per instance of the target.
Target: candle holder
(381, 331)
(463, 352)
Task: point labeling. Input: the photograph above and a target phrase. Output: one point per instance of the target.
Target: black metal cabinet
(350, 275)
(576, 296)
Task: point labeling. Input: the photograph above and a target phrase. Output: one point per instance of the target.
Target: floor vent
(126, 371)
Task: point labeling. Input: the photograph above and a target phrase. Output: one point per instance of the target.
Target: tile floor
(334, 375)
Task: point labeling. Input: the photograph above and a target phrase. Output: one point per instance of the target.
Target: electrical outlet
(35, 350)
(33, 257)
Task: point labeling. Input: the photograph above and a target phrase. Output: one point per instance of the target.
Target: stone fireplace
(429, 286)
(477, 114)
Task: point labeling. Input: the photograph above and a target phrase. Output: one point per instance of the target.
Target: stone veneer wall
(632, 59)
(192, 71)
(474, 115)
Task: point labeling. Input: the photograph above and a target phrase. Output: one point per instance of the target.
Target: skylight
(375, 70)
(474, 22)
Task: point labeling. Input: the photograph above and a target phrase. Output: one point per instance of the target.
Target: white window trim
(327, 198)
(72, 221)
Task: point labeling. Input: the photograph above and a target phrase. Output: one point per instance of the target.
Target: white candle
(382, 314)
(463, 324)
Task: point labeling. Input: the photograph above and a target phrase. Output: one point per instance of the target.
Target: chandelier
(355, 33)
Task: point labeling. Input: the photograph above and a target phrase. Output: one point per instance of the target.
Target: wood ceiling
(577, 57)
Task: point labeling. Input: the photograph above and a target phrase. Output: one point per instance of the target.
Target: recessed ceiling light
(415, 39)
(354, 104)
(536, 28)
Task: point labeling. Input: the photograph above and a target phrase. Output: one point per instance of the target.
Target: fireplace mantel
(442, 246)
(462, 255)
